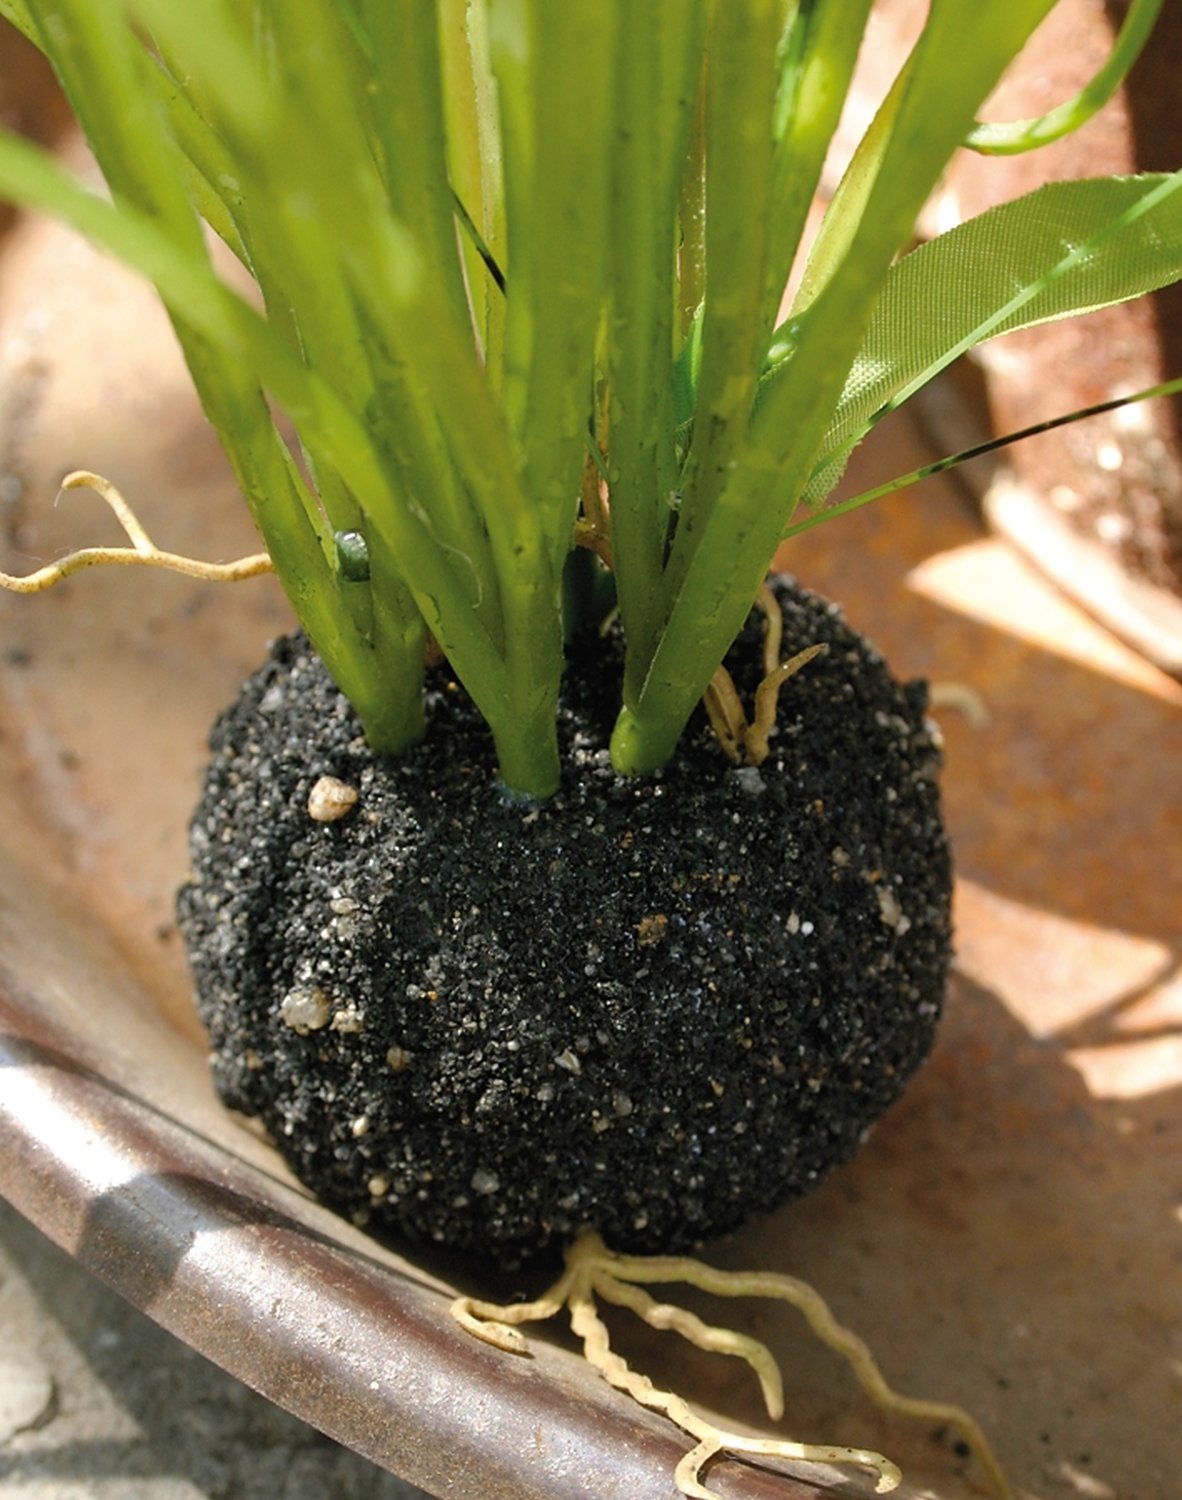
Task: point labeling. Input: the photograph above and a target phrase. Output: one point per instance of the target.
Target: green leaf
(368, 306)
(553, 65)
(1067, 248)
(656, 81)
(741, 85)
(19, 13)
(405, 97)
(722, 548)
(819, 51)
(472, 128)
(1028, 135)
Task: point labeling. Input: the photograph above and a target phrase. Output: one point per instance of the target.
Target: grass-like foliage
(521, 269)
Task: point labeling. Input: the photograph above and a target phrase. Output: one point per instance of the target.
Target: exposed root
(724, 709)
(773, 631)
(767, 696)
(964, 699)
(142, 550)
(596, 539)
(744, 741)
(593, 529)
(594, 1271)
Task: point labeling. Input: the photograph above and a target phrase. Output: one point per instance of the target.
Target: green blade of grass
(741, 84)
(105, 74)
(718, 562)
(793, 121)
(432, 384)
(411, 368)
(20, 14)
(1065, 249)
(657, 76)
(292, 268)
(1028, 135)
(818, 54)
(405, 96)
(979, 450)
(557, 160)
(115, 89)
(243, 338)
(475, 165)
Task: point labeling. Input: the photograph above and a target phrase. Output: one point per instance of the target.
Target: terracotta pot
(1009, 1236)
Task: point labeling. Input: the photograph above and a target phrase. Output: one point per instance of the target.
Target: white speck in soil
(305, 1008)
(331, 799)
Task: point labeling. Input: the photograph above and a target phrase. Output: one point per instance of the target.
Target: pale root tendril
(142, 550)
(746, 742)
(593, 1271)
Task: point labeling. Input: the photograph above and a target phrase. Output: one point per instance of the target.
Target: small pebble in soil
(331, 799)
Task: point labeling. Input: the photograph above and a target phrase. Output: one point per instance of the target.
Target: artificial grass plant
(521, 273)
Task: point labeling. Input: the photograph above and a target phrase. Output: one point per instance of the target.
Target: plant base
(653, 1006)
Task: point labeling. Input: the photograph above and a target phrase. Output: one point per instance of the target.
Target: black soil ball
(653, 1006)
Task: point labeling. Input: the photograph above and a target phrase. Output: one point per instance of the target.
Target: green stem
(656, 79)
(528, 765)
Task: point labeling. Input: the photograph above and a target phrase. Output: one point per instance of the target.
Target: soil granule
(655, 1006)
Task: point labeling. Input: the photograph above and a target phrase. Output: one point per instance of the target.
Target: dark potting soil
(654, 1006)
